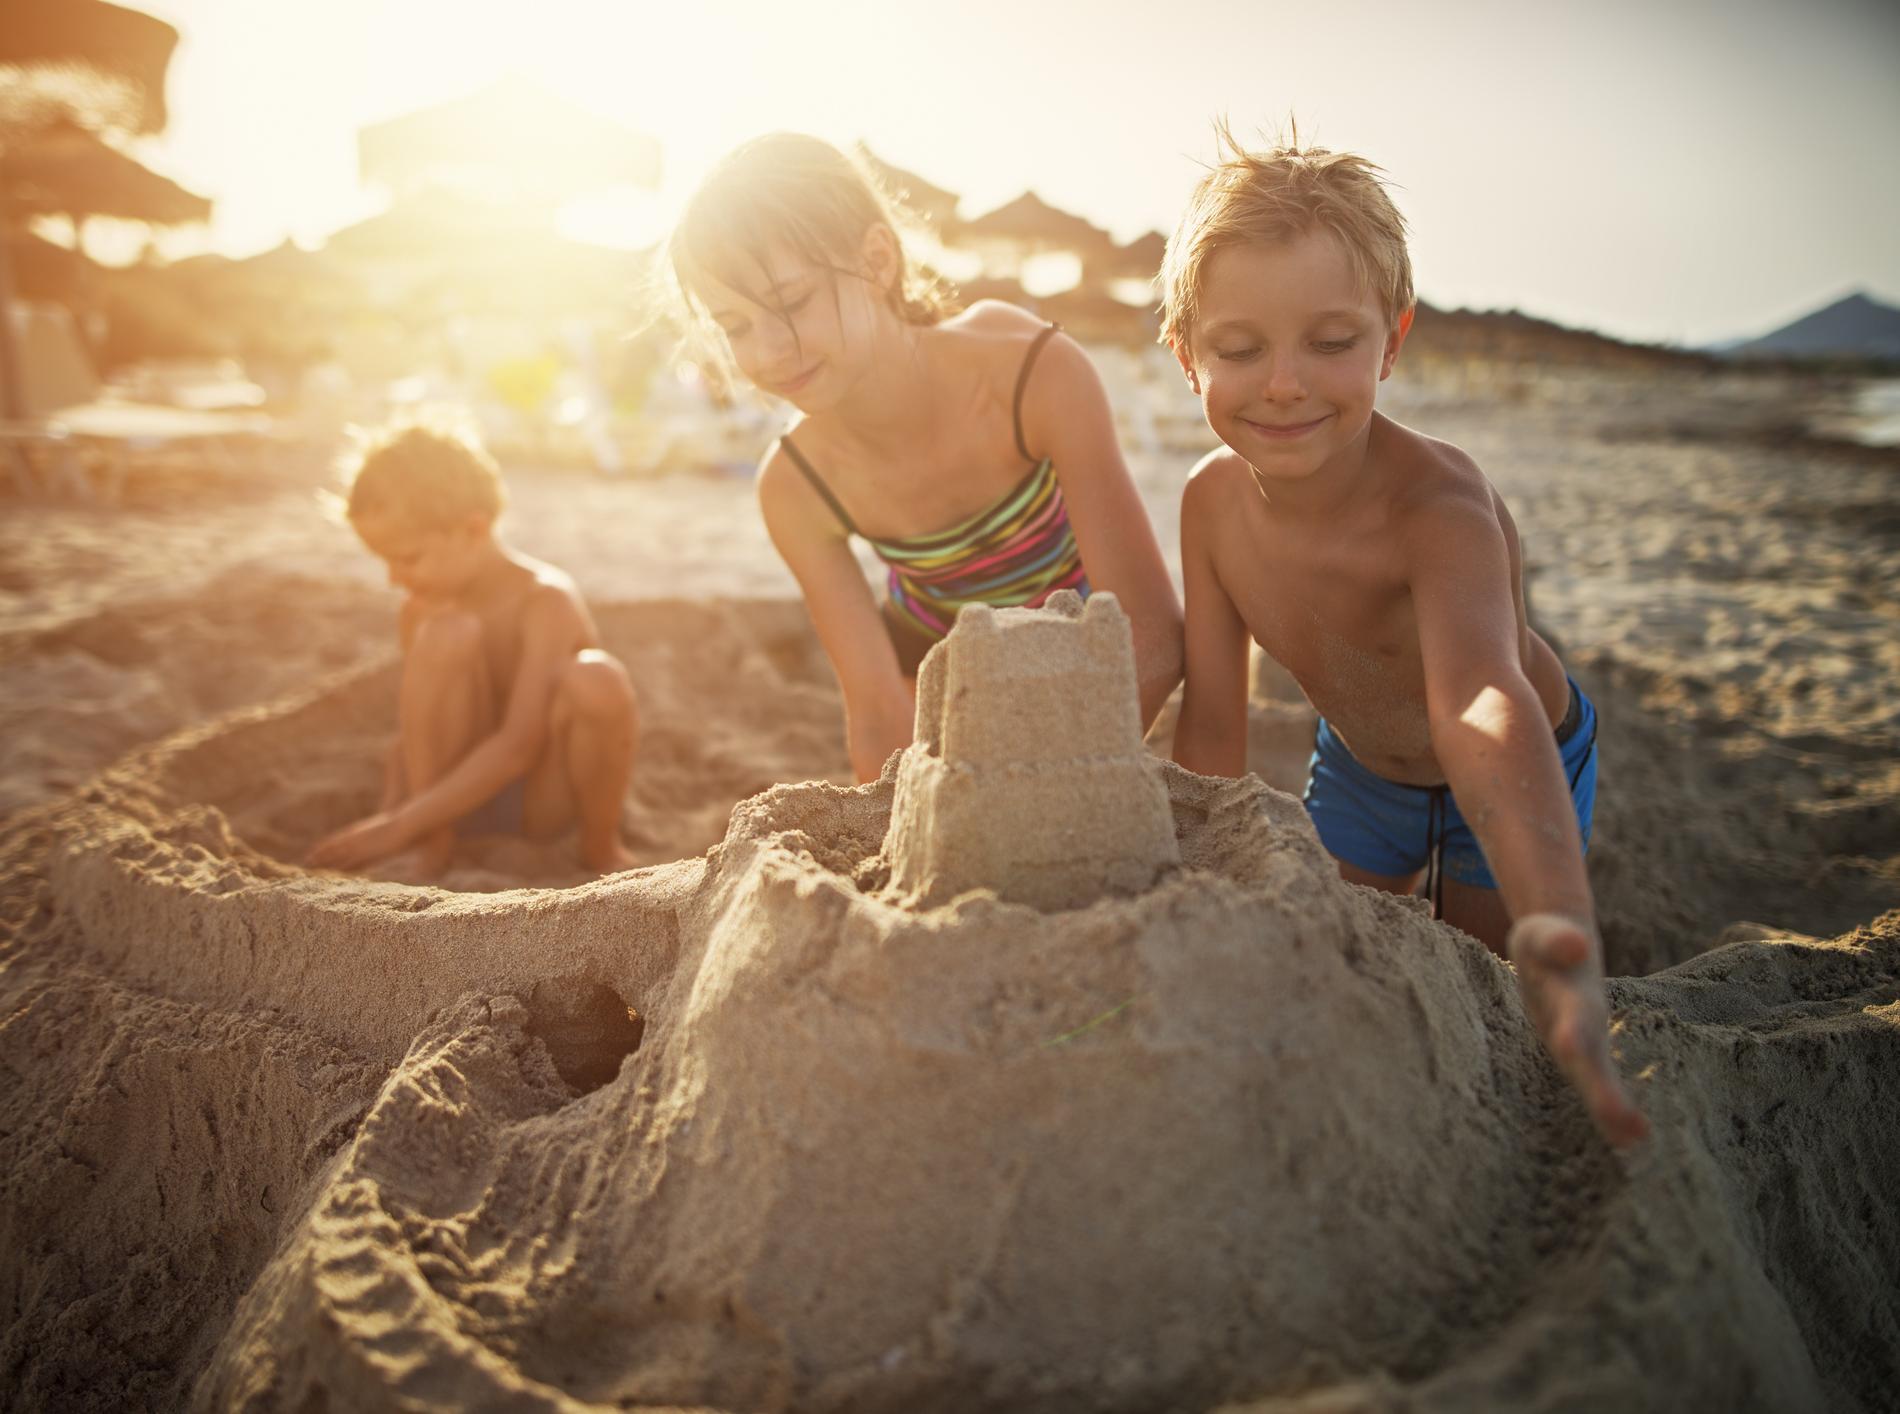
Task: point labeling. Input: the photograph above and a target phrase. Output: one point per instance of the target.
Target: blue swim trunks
(1392, 829)
(503, 813)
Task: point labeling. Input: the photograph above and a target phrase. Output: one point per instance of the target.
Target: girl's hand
(364, 842)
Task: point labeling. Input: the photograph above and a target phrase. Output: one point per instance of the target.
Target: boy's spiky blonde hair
(1252, 198)
(427, 470)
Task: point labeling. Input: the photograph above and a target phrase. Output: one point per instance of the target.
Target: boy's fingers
(1548, 940)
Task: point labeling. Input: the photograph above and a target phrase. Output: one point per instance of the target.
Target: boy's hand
(1562, 983)
(354, 846)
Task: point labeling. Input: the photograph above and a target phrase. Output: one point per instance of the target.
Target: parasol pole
(12, 403)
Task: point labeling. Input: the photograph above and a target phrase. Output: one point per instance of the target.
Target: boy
(1382, 570)
(510, 718)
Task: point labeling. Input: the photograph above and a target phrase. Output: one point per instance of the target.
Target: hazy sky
(1682, 170)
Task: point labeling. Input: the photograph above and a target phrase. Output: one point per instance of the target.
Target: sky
(1680, 171)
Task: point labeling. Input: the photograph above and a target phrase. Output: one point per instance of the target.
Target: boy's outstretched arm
(1211, 735)
(551, 631)
(1494, 743)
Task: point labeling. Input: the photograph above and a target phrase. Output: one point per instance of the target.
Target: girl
(973, 452)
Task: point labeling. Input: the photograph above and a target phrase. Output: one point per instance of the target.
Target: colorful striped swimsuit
(1015, 553)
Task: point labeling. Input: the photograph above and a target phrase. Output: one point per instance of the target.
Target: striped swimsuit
(1014, 553)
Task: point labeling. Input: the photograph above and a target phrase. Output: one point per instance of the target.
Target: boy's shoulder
(1427, 473)
(1442, 505)
(544, 592)
(1216, 479)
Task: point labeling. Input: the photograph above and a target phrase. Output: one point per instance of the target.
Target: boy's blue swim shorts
(1387, 828)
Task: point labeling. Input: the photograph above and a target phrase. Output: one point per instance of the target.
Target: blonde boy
(510, 718)
(1382, 569)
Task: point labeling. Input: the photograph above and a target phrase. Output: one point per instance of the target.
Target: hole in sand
(587, 1027)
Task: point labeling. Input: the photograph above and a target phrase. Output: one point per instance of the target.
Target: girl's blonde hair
(1250, 198)
(802, 194)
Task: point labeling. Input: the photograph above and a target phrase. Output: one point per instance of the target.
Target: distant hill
(1509, 336)
(1855, 327)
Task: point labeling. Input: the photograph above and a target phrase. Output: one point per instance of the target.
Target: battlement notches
(1028, 775)
(1067, 664)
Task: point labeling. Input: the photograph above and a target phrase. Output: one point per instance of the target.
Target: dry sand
(1234, 1133)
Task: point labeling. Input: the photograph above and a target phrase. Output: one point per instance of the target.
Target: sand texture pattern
(809, 1114)
(1241, 1133)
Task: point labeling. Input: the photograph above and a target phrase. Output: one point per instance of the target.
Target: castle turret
(1027, 775)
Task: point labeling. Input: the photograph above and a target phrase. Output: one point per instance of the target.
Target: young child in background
(1382, 570)
(975, 452)
(510, 719)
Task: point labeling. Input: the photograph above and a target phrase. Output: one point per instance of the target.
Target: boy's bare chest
(1337, 615)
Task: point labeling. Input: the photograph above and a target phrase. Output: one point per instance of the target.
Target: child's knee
(596, 687)
(448, 639)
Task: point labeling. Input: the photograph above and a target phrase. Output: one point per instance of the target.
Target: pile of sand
(1227, 1131)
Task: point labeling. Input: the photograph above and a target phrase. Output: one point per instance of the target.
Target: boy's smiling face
(1287, 352)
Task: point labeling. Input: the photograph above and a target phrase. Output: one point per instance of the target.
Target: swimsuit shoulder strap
(1022, 383)
(817, 483)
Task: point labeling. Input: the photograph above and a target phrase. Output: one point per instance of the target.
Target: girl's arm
(880, 707)
(1211, 735)
(1066, 417)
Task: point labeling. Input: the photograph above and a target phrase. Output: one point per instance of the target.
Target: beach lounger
(74, 440)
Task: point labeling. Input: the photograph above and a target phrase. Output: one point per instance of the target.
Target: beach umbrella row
(110, 38)
(63, 169)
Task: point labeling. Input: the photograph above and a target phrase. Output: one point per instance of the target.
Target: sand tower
(1028, 776)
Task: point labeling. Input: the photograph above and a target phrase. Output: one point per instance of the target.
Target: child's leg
(1391, 883)
(593, 734)
(1479, 912)
(445, 706)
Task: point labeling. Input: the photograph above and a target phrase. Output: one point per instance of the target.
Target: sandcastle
(1193, 1122)
(1027, 775)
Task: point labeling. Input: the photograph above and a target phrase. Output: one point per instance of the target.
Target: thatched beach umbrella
(932, 204)
(1029, 225)
(514, 135)
(90, 36)
(1140, 259)
(123, 43)
(65, 170)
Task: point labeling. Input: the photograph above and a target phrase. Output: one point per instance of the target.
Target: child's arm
(552, 629)
(1488, 727)
(393, 790)
(880, 707)
(395, 785)
(1066, 417)
(1211, 735)
(1494, 742)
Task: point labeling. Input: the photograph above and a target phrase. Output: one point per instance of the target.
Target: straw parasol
(1031, 225)
(1140, 259)
(931, 203)
(124, 43)
(514, 134)
(64, 169)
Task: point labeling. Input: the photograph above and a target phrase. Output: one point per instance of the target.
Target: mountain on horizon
(1857, 326)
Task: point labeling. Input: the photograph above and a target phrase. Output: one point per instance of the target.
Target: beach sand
(796, 1118)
